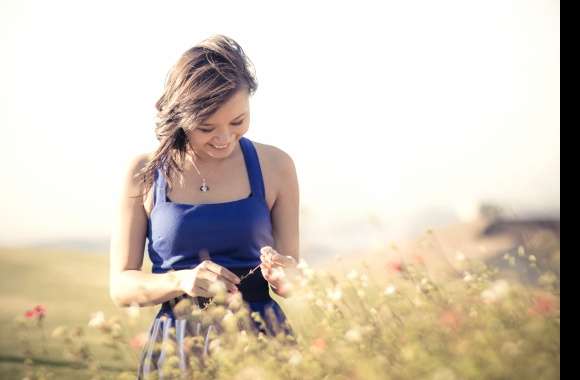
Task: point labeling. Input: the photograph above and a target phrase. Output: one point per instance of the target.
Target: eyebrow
(212, 125)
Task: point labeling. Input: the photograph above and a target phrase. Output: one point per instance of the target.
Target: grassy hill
(71, 286)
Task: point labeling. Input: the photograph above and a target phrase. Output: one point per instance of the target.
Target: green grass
(383, 319)
(71, 286)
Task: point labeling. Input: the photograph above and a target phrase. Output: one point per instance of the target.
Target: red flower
(30, 314)
(419, 260)
(319, 343)
(39, 311)
(543, 305)
(139, 341)
(395, 266)
(451, 319)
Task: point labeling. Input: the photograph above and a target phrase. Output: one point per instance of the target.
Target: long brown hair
(203, 79)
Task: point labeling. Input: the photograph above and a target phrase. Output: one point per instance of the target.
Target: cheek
(197, 139)
(243, 129)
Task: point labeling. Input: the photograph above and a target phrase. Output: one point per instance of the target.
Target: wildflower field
(382, 317)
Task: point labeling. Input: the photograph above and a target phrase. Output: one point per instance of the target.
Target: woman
(193, 207)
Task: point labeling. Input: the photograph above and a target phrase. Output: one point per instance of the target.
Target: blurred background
(422, 129)
(417, 112)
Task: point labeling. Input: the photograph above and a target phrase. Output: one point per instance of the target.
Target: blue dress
(231, 234)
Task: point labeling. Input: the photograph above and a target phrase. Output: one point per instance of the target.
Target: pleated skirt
(172, 337)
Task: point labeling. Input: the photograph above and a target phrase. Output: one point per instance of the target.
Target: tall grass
(386, 320)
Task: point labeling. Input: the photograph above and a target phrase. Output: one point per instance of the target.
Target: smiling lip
(219, 147)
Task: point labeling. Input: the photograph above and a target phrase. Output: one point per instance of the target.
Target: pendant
(204, 187)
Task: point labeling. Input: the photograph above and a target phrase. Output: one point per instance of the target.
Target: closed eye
(211, 130)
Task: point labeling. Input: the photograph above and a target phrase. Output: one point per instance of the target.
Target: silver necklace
(204, 187)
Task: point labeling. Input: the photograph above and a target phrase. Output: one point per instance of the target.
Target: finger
(281, 260)
(202, 289)
(229, 286)
(265, 270)
(275, 265)
(223, 272)
(267, 250)
(266, 259)
(210, 278)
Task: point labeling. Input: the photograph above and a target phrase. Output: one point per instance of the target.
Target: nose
(222, 141)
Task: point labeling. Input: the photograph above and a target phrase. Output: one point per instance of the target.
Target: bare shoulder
(276, 158)
(133, 167)
(138, 162)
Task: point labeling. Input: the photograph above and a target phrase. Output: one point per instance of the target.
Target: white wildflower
(390, 290)
(229, 321)
(215, 345)
(496, 291)
(353, 335)
(295, 358)
(365, 281)
(133, 311)
(352, 275)
(58, 332)
(302, 264)
(548, 279)
(97, 320)
(334, 294)
(306, 270)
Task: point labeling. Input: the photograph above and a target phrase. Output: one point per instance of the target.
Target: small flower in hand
(276, 269)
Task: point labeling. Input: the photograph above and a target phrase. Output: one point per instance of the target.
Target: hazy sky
(395, 108)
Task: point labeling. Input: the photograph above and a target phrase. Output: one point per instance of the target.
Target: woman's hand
(279, 270)
(203, 280)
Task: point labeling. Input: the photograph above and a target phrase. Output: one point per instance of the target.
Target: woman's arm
(128, 285)
(285, 212)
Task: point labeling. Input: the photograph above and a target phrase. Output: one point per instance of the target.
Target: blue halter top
(230, 234)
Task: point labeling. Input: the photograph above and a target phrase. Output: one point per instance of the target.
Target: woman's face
(218, 136)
